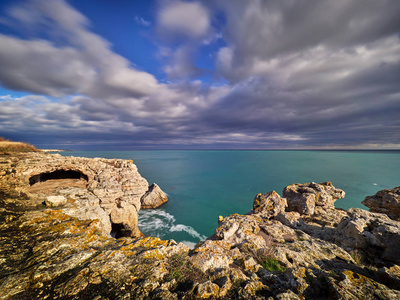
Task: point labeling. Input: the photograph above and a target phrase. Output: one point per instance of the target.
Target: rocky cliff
(294, 247)
(109, 190)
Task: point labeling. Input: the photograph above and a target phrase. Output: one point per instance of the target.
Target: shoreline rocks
(386, 202)
(153, 198)
(294, 246)
(109, 190)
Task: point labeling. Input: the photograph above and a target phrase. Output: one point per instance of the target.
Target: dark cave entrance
(58, 174)
(118, 230)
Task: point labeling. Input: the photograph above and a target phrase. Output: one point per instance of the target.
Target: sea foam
(160, 223)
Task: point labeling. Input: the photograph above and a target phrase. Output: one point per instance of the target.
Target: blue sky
(171, 74)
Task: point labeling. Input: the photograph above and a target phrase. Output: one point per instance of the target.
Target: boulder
(386, 202)
(153, 198)
(372, 233)
(304, 197)
(269, 204)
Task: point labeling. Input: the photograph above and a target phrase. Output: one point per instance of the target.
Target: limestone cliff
(293, 247)
(109, 190)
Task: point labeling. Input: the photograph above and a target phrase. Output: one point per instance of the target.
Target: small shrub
(272, 264)
(181, 269)
(356, 256)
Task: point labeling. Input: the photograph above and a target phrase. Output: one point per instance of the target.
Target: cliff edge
(294, 246)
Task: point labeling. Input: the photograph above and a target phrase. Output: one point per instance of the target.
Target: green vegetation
(356, 256)
(271, 264)
(181, 269)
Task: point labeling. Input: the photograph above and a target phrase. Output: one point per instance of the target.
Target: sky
(218, 74)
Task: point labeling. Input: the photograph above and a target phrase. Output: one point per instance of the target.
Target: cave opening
(58, 174)
(118, 230)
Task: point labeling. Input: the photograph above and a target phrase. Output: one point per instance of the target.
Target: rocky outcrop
(304, 198)
(109, 190)
(386, 202)
(269, 204)
(50, 252)
(374, 234)
(153, 198)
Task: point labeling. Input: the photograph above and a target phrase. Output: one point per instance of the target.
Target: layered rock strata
(109, 190)
(273, 252)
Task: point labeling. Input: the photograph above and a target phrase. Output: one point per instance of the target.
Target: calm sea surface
(202, 185)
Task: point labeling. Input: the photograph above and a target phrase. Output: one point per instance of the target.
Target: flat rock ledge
(281, 249)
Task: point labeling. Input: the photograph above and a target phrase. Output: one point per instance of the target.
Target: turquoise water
(202, 185)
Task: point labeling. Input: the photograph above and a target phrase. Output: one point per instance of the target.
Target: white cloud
(187, 19)
(224, 59)
(141, 21)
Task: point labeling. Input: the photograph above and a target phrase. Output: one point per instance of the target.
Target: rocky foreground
(59, 217)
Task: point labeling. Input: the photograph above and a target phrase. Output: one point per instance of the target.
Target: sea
(203, 185)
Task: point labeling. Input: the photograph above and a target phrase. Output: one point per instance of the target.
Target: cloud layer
(297, 74)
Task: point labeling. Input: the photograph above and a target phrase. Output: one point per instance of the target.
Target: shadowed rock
(386, 202)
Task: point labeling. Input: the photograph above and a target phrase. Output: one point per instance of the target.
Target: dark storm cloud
(266, 29)
(325, 71)
(299, 74)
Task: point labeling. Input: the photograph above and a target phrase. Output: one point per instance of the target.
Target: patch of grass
(7, 146)
(356, 256)
(271, 264)
(181, 269)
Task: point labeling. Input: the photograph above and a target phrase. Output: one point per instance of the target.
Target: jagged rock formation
(386, 202)
(306, 197)
(269, 253)
(153, 198)
(105, 189)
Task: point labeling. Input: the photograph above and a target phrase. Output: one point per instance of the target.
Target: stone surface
(153, 198)
(269, 204)
(65, 252)
(377, 236)
(303, 198)
(55, 200)
(386, 202)
(96, 188)
(207, 290)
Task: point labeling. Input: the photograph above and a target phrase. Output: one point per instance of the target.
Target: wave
(161, 224)
(189, 230)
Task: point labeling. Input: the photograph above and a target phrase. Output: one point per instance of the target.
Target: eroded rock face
(153, 198)
(386, 202)
(103, 189)
(373, 233)
(303, 198)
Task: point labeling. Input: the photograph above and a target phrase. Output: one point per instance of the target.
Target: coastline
(54, 150)
(298, 246)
